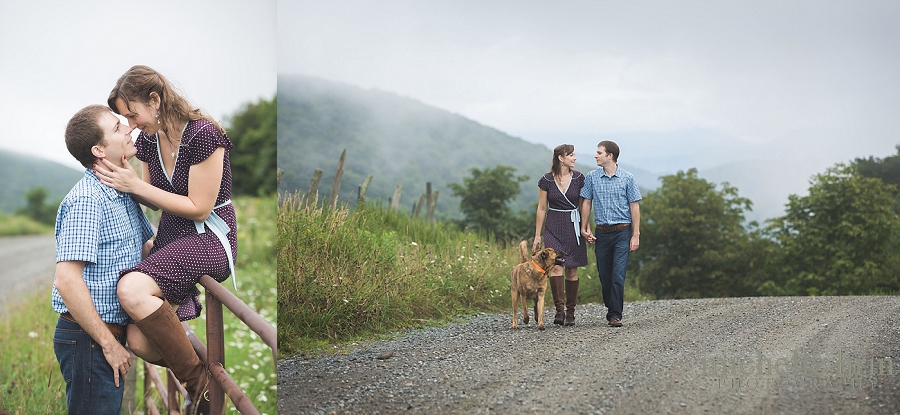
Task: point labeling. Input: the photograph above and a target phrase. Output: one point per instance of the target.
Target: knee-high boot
(571, 296)
(165, 331)
(556, 288)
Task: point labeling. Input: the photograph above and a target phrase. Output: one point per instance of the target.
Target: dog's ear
(543, 256)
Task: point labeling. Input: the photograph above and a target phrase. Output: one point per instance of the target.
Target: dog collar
(538, 267)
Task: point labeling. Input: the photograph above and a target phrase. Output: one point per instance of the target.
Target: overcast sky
(822, 72)
(58, 56)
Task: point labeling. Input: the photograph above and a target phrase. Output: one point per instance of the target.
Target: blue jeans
(612, 249)
(90, 387)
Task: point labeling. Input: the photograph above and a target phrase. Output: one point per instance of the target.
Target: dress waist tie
(218, 227)
(576, 221)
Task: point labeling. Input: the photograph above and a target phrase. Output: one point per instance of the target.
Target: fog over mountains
(766, 173)
(406, 141)
(19, 173)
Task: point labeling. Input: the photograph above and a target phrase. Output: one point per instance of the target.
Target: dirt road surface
(769, 355)
(27, 265)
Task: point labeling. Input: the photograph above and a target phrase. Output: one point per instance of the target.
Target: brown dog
(529, 281)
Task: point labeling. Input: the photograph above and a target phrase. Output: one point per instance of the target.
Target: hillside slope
(398, 140)
(20, 172)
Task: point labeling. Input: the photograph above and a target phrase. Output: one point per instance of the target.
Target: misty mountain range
(403, 141)
(19, 173)
(395, 139)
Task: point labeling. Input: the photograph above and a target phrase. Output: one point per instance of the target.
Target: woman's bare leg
(139, 295)
(140, 345)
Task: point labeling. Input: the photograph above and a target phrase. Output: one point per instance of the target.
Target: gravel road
(772, 355)
(27, 264)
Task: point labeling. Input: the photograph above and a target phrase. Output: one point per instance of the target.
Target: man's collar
(109, 191)
(607, 175)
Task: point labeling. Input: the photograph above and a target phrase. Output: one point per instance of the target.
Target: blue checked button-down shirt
(106, 229)
(610, 196)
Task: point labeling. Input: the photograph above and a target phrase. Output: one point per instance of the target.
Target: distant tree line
(36, 207)
(843, 238)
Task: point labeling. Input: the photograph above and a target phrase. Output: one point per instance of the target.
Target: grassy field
(348, 275)
(15, 225)
(30, 381)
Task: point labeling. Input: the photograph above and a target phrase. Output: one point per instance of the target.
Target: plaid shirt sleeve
(78, 230)
(632, 192)
(587, 191)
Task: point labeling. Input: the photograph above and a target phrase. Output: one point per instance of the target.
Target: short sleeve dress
(560, 232)
(180, 254)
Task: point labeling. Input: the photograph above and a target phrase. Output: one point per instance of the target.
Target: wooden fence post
(313, 186)
(431, 204)
(336, 186)
(215, 346)
(418, 206)
(395, 201)
(428, 196)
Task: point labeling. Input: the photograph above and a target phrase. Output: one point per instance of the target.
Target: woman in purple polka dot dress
(187, 174)
(557, 212)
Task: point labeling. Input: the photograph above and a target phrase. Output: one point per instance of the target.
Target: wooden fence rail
(220, 382)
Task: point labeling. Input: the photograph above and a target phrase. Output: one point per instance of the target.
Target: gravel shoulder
(774, 355)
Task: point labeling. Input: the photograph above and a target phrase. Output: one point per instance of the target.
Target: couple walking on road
(565, 201)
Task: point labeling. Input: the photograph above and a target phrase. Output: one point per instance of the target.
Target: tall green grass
(345, 275)
(30, 381)
(14, 225)
(27, 361)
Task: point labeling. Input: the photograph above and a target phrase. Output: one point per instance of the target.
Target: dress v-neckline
(567, 187)
(162, 163)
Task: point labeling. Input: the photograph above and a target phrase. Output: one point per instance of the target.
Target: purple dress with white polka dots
(559, 230)
(180, 255)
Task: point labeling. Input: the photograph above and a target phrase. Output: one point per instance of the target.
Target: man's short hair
(83, 132)
(611, 148)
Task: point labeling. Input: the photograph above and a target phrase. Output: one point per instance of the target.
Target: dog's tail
(523, 251)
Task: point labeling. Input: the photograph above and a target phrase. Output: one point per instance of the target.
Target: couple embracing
(114, 288)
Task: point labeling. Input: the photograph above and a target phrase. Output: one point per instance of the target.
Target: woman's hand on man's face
(123, 179)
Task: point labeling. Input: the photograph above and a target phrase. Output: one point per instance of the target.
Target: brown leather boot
(571, 296)
(164, 330)
(556, 288)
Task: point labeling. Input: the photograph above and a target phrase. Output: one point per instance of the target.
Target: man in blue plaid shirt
(99, 231)
(614, 195)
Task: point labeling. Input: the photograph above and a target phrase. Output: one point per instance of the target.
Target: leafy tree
(36, 209)
(484, 201)
(838, 240)
(886, 169)
(254, 133)
(694, 243)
